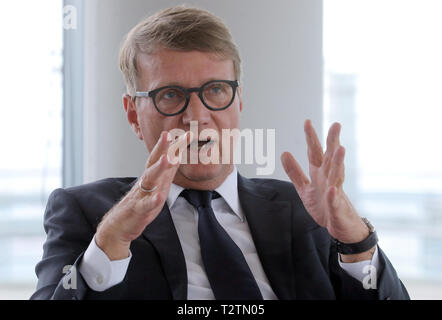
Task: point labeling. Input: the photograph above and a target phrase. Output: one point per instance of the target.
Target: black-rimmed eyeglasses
(172, 100)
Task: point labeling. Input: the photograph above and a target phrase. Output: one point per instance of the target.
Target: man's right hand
(129, 217)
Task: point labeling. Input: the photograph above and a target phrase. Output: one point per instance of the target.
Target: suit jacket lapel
(270, 224)
(161, 233)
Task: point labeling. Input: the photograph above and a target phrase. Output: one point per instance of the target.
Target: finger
(152, 176)
(159, 149)
(147, 204)
(315, 152)
(333, 139)
(336, 174)
(294, 171)
(332, 144)
(159, 175)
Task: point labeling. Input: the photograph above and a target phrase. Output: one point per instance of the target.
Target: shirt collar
(174, 193)
(228, 190)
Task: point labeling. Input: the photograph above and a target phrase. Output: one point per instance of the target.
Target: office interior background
(375, 66)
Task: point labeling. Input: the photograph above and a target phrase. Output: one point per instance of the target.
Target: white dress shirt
(100, 273)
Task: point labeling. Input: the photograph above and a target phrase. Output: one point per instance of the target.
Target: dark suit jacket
(298, 256)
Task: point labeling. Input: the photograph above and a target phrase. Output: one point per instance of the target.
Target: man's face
(186, 69)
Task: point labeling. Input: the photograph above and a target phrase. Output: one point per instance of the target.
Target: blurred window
(30, 132)
(383, 72)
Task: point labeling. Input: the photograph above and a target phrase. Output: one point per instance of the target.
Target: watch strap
(359, 247)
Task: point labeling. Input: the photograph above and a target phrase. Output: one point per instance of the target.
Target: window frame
(73, 99)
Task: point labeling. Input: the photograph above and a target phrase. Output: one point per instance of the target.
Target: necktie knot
(199, 198)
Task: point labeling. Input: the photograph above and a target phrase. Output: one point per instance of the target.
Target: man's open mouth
(203, 142)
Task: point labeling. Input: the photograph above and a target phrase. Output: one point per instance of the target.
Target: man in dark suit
(198, 230)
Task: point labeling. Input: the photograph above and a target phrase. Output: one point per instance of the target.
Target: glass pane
(30, 132)
(383, 72)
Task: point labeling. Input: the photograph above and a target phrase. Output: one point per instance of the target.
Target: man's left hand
(322, 195)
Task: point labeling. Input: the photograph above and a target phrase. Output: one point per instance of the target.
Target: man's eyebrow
(179, 84)
(167, 84)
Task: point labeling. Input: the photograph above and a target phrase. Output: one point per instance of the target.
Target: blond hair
(177, 28)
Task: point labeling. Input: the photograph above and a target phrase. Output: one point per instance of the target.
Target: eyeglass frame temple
(142, 94)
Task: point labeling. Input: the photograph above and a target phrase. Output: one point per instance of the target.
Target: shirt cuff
(359, 270)
(99, 272)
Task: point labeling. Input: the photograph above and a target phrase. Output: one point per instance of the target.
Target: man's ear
(240, 98)
(130, 107)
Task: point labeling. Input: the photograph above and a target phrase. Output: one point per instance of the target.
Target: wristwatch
(359, 247)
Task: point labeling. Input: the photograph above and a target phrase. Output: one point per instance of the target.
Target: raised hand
(323, 195)
(129, 217)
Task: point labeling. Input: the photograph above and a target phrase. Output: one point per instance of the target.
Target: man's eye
(216, 90)
(170, 94)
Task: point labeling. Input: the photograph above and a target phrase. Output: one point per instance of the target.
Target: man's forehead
(168, 66)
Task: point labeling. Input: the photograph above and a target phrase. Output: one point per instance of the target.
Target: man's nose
(196, 111)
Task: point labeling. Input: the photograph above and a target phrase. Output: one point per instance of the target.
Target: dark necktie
(227, 270)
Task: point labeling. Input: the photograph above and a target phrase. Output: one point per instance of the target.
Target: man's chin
(203, 174)
(200, 172)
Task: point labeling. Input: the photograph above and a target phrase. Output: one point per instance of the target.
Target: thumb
(332, 198)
